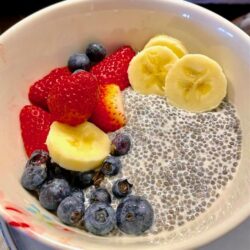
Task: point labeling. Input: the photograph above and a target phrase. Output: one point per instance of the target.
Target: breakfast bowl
(46, 39)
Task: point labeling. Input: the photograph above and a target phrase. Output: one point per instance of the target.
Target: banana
(163, 40)
(148, 69)
(79, 148)
(196, 83)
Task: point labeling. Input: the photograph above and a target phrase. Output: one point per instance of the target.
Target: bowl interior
(46, 39)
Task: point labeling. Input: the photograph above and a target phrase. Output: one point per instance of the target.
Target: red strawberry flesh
(73, 100)
(39, 91)
(113, 69)
(109, 112)
(35, 124)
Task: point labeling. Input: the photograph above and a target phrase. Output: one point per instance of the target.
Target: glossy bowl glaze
(45, 40)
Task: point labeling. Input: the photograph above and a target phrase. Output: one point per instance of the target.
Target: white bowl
(46, 39)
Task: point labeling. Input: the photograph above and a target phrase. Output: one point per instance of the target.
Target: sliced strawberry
(35, 124)
(73, 100)
(113, 69)
(108, 114)
(38, 93)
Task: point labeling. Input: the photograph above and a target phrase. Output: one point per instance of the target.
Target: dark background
(12, 11)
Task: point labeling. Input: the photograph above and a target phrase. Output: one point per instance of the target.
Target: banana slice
(163, 40)
(196, 83)
(79, 148)
(148, 69)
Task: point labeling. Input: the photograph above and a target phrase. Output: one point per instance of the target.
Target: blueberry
(83, 179)
(134, 215)
(35, 172)
(53, 192)
(100, 195)
(78, 61)
(70, 211)
(38, 157)
(99, 218)
(55, 171)
(120, 145)
(78, 193)
(121, 188)
(96, 52)
(33, 177)
(111, 166)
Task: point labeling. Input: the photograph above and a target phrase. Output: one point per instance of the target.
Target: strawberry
(38, 93)
(113, 69)
(35, 124)
(108, 114)
(72, 101)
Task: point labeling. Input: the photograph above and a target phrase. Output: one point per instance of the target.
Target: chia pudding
(179, 161)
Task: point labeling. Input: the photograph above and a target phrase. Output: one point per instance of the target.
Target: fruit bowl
(47, 38)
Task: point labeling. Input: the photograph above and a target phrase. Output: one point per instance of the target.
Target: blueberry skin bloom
(121, 188)
(53, 192)
(111, 166)
(70, 211)
(38, 157)
(100, 195)
(96, 52)
(99, 218)
(78, 61)
(120, 145)
(78, 194)
(134, 215)
(33, 177)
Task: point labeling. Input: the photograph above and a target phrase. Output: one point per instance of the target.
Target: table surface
(238, 239)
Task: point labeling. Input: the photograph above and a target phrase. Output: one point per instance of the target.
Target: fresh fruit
(55, 171)
(70, 211)
(99, 218)
(84, 179)
(100, 195)
(79, 148)
(33, 177)
(35, 124)
(148, 69)
(134, 215)
(113, 69)
(196, 83)
(172, 43)
(38, 157)
(53, 192)
(39, 91)
(78, 194)
(121, 188)
(35, 172)
(96, 52)
(78, 61)
(108, 114)
(120, 145)
(111, 166)
(73, 100)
